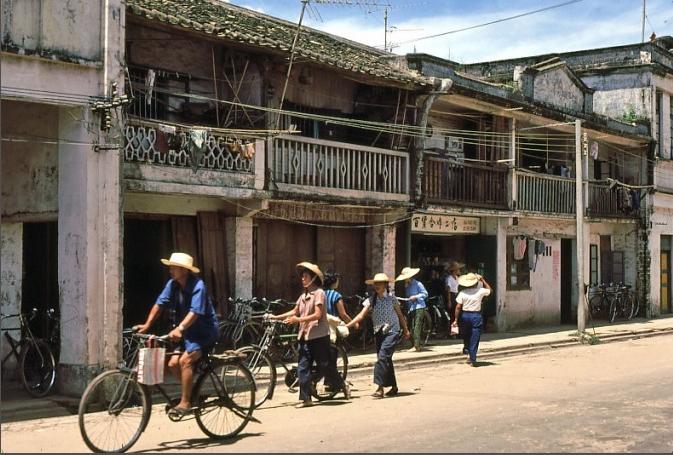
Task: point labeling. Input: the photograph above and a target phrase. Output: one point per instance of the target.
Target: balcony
(556, 195)
(545, 193)
(451, 182)
(166, 158)
(320, 167)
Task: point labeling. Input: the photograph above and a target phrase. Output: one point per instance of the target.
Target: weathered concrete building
(509, 163)
(632, 83)
(359, 161)
(61, 192)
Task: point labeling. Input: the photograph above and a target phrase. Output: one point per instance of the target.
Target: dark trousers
(417, 316)
(384, 372)
(471, 325)
(316, 351)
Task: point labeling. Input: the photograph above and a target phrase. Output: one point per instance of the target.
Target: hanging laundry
(249, 150)
(197, 146)
(169, 129)
(519, 247)
(635, 199)
(149, 85)
(532, 257)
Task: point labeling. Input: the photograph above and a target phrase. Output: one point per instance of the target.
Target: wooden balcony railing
(545, 193)
(346, 168)
(451, 182)
(609, 202)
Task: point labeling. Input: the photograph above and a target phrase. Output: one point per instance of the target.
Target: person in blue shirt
(335, 305)
(417, 307)
(194, 321)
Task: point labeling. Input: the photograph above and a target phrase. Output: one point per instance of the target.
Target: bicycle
(260, 361)
(441, 321)
(115, 408)
(622, 304)
(35, 362)
(239, 327)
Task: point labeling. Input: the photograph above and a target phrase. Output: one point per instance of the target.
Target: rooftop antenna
(642, 36)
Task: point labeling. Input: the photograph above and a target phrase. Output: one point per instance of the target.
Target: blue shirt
(416, 289)
(193, 298)
(332, 297)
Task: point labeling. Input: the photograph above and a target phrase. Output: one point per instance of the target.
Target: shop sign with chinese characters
(424, 223)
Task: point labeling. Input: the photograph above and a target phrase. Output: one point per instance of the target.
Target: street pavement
(613, 397)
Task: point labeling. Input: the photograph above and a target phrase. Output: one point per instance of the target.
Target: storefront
(435, 240)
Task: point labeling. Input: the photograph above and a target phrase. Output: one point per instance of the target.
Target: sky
(585, 24)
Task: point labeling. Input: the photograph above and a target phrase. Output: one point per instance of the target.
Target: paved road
(615, 397)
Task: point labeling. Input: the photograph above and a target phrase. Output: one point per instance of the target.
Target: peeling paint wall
(618, 103)
(11, 277)
(29, 166)
(556, 88)
(63, 26)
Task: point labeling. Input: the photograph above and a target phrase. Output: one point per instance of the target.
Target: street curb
(364, 367)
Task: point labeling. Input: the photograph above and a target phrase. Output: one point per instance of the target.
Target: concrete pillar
(89, 252)
(11, 251)
(665, 126)
(380, 247)
(240, 255)
(501, 273)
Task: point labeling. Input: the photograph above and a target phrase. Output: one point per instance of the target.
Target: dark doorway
(146, 241)
(480, 257)
(40, 273)
(566, 281)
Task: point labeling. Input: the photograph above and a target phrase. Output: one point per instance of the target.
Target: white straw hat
(468, 280)
(379, 278)
(407, 272)
(181, 260)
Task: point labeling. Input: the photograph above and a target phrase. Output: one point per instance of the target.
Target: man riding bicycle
(194, 322)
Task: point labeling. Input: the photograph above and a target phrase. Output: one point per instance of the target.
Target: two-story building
(61, 188)
(634, 84)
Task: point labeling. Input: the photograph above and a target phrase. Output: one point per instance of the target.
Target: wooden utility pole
(579, 204)
(304, 3)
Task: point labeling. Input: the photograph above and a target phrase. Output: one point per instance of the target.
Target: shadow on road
(479, 363)
(198, 443)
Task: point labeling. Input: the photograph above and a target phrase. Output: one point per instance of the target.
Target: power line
(558, 5)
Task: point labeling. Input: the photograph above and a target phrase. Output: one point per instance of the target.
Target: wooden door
(343, 251)
(280, 247)
(213, 252)
(665, 281)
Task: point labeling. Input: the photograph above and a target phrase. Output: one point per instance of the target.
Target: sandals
(392, 392)
(378, 394)
(181, 412)
(304, 404)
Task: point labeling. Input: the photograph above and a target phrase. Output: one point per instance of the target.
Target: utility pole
(385, 28)
(642, 35)
(289, 66)
(579, 204)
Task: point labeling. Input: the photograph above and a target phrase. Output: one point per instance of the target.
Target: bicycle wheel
(635, 308)
(612, 311)
(226, 399)
(113, 412)
(628, 305)
(321, 389)
(263, 372)
(595, 304)
(250, 334)
(37, 368)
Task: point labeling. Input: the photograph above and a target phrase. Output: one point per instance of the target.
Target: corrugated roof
(245, 26)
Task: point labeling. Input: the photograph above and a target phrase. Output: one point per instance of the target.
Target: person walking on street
(468, 311)
(336, 308)
(387, 319)
(313, 334)
(417, 308)
(452, 287)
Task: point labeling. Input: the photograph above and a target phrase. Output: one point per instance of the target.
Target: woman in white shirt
(468, 311)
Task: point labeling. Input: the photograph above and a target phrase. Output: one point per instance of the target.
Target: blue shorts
(203, 344)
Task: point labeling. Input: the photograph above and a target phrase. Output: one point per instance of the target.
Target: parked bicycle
(364, 337)
(35, 361)
(115, 408)
(613, 300)
(441, 321)
(262, 359)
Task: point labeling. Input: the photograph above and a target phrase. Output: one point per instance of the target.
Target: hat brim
(410, 274)
(191, 269)
(313, 268)
(456, 267)
(378, 281)
(468, 283)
